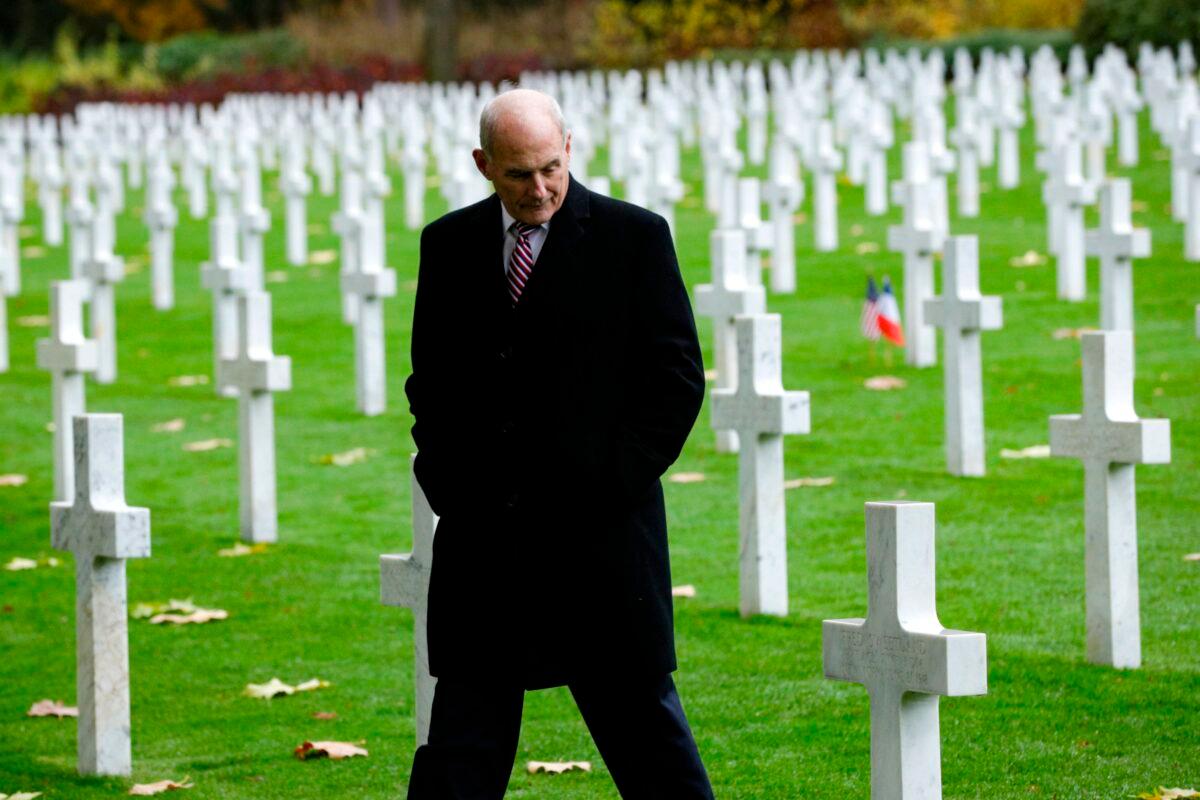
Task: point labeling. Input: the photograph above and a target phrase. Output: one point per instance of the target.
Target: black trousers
(639, 728)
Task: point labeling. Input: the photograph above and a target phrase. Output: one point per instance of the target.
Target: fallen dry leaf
(686, 477)
(205, 445)
(558, 767)
(275, 276)
(796, 483)
(33, 251)
(1070, 333)
(856, 230)
(710, 374)
(188, 380)
(158, 787)
(52, 708)
(277, 688)
(355, 456)
(1139, 206)
(170, 426)
(147, 610)
(1168, 794)
(322, 257)
(1192, 557)
(242, 549)
(884, 383)
(1030, 258)
(20, 796)
(13, 479)
(1033, 451)
(197, 617)
(866, 248)
(334, 750)
(33, 321)
(324, 715)
(686, 590)
(18, 563)
(26, 231)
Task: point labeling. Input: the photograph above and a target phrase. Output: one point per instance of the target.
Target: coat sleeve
(428, 431)
(664, 389)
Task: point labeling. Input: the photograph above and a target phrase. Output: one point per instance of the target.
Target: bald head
(519, 114)
(525, 151)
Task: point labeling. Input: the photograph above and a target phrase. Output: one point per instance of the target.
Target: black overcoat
(542, 432)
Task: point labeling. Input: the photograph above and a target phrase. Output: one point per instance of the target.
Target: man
(556, 375)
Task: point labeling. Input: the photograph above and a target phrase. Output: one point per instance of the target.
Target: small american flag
(869, 320)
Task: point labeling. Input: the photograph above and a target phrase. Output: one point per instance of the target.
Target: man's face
(529, 169)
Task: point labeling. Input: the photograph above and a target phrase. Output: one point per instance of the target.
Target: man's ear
(567, 149)
(481, 163)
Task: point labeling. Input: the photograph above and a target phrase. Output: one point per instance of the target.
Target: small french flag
(889, 315)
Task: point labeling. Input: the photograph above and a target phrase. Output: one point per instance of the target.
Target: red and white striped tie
(520, 263)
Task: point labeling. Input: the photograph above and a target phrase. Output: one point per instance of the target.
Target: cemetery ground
(1009, 546)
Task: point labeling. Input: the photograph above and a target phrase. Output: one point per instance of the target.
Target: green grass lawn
(1010, 546)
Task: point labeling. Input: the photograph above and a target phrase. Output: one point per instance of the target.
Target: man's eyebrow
(517, 171)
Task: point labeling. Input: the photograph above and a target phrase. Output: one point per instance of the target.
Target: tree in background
(1162, 23)
(150, 20)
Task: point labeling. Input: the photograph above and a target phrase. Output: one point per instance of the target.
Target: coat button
(513, 500)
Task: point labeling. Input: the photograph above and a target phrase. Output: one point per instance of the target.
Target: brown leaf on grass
(170, 426)
(334, 750)
(188, 380)
(557, 767)
(20, 796)
(277, 688)
(205, 445)
(322, 257)
(197, 617)
(1033, 451)
(1030, 258)
(796, 483)
(243, 549)
(51, 708)
(710, 374)
(27, 231)
(13, 479)
(857, 230)
(158, 787)
(33, 251)
(686, 590)
(33, 321)
(18, 564)
(866, 248)
(686, 477)
(354, 456)
(275, 276)
(324, 715)
(147, 610)
(884, 383)
(1192, 557)
(1070, 333)
(1168, 794)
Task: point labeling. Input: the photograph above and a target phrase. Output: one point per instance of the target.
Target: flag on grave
(868, 321)
(889, 315)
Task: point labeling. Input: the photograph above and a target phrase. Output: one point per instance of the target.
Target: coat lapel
(567, 227)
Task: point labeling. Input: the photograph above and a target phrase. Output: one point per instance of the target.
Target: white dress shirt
(536, 239)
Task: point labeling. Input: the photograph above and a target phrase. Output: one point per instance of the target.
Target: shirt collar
(508, 220)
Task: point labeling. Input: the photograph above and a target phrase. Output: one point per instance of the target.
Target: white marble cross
(349, 224)
(1110, 439)
(102, 531)
(784, 193)
(256, 372)
(253, 219)
(103, 271)
(296, 185)
(902, 654)
(11, 214)
(404, 582)
(761, 412)
(965, 137)
(758, 235)
(1117, 243)
(370, 287)
(917, 240)
(727, 297)
(224, 277)
(1066, 194)
(961, 312)
(1190, 161)
(827, 160)
(67, 355)
(161, 218)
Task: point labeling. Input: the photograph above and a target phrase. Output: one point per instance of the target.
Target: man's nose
(539, 186)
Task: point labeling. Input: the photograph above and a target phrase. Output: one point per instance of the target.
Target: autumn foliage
(150, 20)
